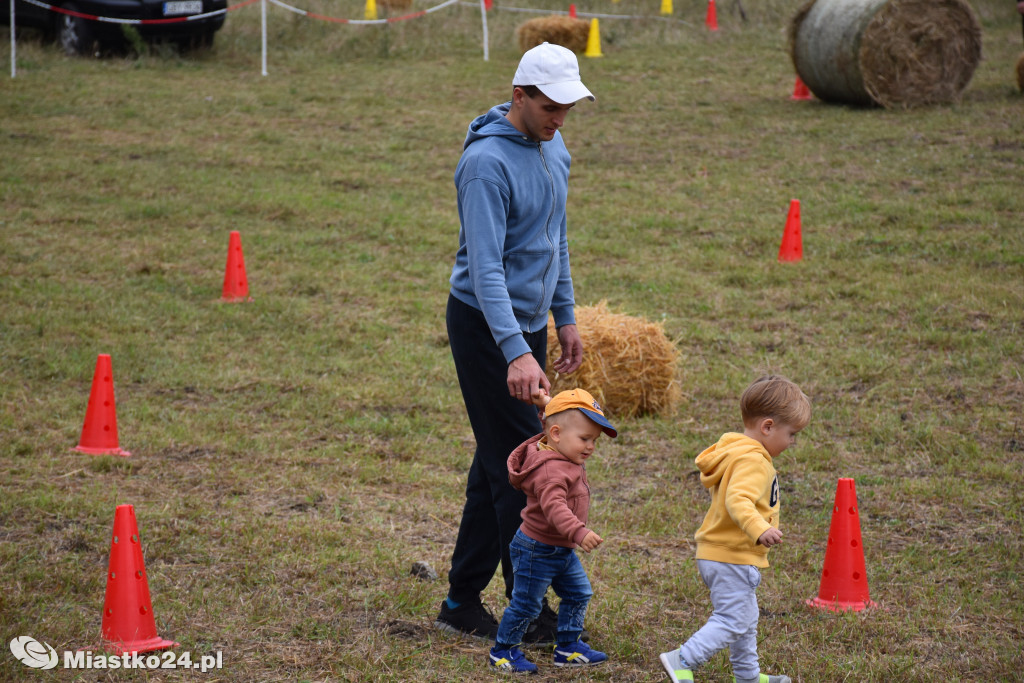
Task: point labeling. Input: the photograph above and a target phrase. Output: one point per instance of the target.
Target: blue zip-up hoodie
(513, 258)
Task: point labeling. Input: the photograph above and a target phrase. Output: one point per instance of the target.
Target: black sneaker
(468, 619)
(544, 629)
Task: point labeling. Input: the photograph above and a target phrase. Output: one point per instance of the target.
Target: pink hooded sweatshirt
(557, 494)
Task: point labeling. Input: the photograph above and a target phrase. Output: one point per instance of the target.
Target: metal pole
(263, 21)
(483, 17)
(13, 46)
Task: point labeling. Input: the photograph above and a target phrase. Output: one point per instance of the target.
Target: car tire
(75, 35)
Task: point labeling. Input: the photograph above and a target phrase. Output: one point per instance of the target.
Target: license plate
(179, 7)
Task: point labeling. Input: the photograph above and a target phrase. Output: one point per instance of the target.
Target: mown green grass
(293, 456)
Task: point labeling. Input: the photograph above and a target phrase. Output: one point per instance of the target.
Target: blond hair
(776, 397)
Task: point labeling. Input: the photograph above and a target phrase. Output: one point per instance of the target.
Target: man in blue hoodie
(511, 269)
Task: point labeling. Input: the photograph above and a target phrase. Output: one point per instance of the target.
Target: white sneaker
(674, 666)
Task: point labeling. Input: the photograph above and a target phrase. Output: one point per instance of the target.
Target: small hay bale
(1020, 73)
(569, 32)
(888, 52)
(629, 365)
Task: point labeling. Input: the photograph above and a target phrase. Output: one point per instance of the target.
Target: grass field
(293, 456)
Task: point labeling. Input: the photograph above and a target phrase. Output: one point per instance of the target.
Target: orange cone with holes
(792, 247)
(236, 285)
(99, 433)
(128, 623)
(844, 580)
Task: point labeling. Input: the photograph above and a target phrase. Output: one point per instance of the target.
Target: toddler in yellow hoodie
(740, 526)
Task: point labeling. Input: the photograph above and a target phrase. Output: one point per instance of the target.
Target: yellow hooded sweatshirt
(744, 501)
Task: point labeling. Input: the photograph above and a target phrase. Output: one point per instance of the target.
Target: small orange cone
(800, 91)
(236, 285)
(711, 20)
(99, 433)
(572, 11)
(594, 40)
(792, 247)
(128, 624)
(844, 581)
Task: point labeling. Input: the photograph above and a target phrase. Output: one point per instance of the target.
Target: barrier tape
(340, 20)
(530, 10)
(113, 20)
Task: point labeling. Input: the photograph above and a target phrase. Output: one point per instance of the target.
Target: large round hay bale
(629, 365)
(888, 52)
(569, 32)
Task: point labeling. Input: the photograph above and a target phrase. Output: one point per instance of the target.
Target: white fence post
(483, 17)
(14, 68)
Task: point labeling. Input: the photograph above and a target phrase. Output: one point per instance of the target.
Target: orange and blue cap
(580, 400)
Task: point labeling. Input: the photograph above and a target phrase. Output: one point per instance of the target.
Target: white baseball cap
(555, 72)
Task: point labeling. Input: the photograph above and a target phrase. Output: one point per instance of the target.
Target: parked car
(77, 35)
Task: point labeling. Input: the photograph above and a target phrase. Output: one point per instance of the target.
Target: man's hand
(525, 378)
(771, 537)
(572, 350)
(591, 541)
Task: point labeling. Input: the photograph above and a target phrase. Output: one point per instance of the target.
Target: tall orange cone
(128, 624)
(572, 11)
(800, 91)
(594, 40)
(236, 285)
(844, 581)
(711, 20)
(99, 433)
(792, 247)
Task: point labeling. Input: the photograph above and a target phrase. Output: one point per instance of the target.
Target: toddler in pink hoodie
(549, 468)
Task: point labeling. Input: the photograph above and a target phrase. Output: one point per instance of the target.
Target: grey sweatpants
(733, 622)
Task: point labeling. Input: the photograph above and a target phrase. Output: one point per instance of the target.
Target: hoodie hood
(494, 124)
(525, 460)
(715, 460)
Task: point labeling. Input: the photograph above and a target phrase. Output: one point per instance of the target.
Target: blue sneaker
(513, 661)
(578, 654)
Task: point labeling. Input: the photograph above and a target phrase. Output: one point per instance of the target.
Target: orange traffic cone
(844, 581)
(99, 433)
(236, 286)
(128, 624)
(572, 11)
(711, 20)
(792, 247)
(800, 91)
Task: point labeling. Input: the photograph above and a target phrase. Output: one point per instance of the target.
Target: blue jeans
(539, 565)
(733, 623)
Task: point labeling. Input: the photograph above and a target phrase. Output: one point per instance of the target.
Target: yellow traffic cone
(371, 10)
(666, 7)
(594, 40)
